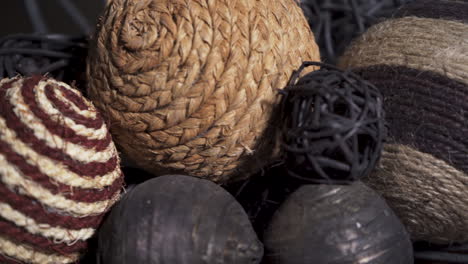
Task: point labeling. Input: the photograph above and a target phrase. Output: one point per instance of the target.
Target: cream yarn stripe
(85, 113)
(77, 152)
(55, 115)
(29, 255)
(426, 44)
(55, 170)
(14, 178)
(59, 235)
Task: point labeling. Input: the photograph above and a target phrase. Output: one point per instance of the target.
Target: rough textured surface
(59, 171)
(420, 63)
(179, 220)
(336, 224)
(189, 86)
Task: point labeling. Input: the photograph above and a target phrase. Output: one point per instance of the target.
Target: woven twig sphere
(419, 60)
(59, 171)
(333, 125)
(336, 22)
(59, 56)
(189, 85)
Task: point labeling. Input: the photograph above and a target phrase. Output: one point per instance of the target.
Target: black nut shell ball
(178, 220)
(336, 224)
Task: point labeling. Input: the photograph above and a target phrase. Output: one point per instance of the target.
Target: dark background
(14, 17)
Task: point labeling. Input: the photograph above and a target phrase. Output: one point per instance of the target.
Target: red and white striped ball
(59, 171)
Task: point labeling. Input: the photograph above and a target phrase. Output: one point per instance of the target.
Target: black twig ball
(333, 125)
(336, 22)
(59, 56)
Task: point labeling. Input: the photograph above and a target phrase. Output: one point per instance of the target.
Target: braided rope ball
(333, 129)
(189, 85)
(59, 171)
(419, 60)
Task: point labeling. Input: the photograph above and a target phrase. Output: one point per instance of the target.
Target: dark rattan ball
(336, 22)
(334, 125)
(59, 56)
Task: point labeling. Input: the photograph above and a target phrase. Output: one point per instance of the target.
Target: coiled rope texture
(189, 85)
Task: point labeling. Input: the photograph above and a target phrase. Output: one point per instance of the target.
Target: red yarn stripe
(26, 135)
(20, 235)
(8, 260)
(33, 209)
(59, 129)
(68, 111)
(72, 193)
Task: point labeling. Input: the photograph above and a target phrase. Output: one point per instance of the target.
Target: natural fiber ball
(179, 220)
(337, 22)
(59, 56)
(59, 171)
(189, 85)
(419, 60)
(333, 126)
(336, 224)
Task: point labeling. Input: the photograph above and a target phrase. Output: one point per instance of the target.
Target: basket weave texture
(189, 86)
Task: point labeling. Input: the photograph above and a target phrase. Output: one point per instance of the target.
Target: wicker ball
(189, 85)
(59, 171)
(59, 56)
(337, 22)
(419, 60)
(178, 219)
(333, 128)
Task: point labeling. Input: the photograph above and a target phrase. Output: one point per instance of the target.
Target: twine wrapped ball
(179, 220)
(189, 85)
(59, 171)
(419, 61)
(336, 224)
(333, 126)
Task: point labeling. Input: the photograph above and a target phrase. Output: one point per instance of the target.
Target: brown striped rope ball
(189, 86)
(59, 171)
(419, 60)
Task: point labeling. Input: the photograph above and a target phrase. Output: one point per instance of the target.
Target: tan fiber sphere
(189, 85)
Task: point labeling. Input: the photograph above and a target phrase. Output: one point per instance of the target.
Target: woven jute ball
(419, 60)
(59, 171)
(189, 86)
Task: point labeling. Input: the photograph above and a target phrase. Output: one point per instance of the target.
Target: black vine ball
(59, 56)
(336, 22)
(334, 125)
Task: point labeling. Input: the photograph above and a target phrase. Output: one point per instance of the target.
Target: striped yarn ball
(419, 60)
(59, 171)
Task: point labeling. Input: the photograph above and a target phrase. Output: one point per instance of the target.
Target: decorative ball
(181, 220)
(333, 125)
(58, 56)
(337, 22)
(336, 224)
(189, 86)
(418, 60)
(59, 171)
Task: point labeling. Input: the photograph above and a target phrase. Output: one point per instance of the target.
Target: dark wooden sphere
(178, 220)
(343, 224)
